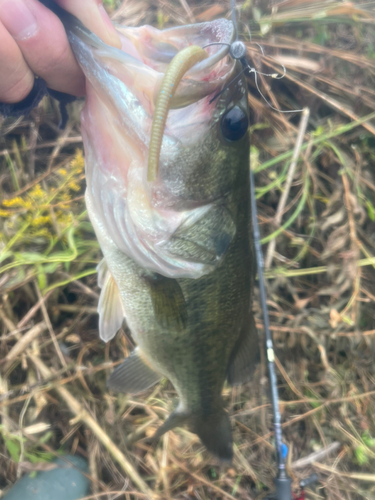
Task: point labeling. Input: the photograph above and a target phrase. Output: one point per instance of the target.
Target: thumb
(93, 15)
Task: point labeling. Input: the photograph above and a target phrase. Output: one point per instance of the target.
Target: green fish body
(178, 262)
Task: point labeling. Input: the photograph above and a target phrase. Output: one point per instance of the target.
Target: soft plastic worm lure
(177, 68)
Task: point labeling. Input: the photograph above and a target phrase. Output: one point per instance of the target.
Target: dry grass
(320, 279)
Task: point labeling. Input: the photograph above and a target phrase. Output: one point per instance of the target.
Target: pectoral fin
(134, 375)
(110, 309)
(245, 355)
(168, 302)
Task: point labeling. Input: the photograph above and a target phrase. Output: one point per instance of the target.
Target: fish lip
(202, 79)
(217, 24)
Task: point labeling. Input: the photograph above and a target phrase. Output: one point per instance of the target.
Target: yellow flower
(42, 220)
(62, 171)
(64, 218)
(66, 197)
(4, 213)
(74, 186)
(78, 163)
(42, 232)
(37, 192)
(15, 202)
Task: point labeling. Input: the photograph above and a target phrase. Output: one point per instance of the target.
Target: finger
(93, 15)
(42, 40)
(16, 79)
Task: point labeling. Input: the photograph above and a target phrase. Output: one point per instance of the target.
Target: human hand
(33, 42)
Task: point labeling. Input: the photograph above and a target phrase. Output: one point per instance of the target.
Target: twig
(23, 342)
(316, 456)
(71, 308)
(7, 321)
(354, 244)
(49, 325)
(188, 11)
(34, 131)
(93, 448)
(287, 378)
(312, 411)
(288, 183)
(245, 464)
(351, 475)
(81, 285)
(120, 492)
(83, 415)
(69, 140)
(4, 390)
(201, 479)
(32, 311)
(330, 101)
(61, 142)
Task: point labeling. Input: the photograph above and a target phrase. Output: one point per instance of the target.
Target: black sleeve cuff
(31, 101)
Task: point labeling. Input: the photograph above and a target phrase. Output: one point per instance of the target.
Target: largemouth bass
(178, 261)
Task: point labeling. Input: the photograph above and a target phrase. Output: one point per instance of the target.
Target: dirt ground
(316, 200)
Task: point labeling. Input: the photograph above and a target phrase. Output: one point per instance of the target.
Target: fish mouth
(141, 217)
(146, 53)
(155, 49)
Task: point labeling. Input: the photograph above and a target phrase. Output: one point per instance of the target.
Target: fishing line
(250, 69)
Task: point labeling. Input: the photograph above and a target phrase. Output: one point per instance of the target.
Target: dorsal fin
(110, 309)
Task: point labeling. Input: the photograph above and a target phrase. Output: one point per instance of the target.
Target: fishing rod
(282, 481)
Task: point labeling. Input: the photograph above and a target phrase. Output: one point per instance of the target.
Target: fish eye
(234, 124)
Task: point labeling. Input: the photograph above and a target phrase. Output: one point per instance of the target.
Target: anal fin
(134, 375)
(245, 355)
(110, 309)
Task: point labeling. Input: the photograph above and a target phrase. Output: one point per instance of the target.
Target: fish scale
(178, 261)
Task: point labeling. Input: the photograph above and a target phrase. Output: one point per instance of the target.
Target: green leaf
(370, 210)
(89, 272)
(46, 437)
(318, 132)
(361, 455)
(50, 268)
(368, 440)
(13, 448)
(39, 456)
(29, 257)
(5, 255)
(42, 279)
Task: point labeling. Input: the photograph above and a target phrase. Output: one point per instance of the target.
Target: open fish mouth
(141, 217)
(156, 49)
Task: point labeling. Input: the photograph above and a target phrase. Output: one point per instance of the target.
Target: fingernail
(18, 19)
(111, 29)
